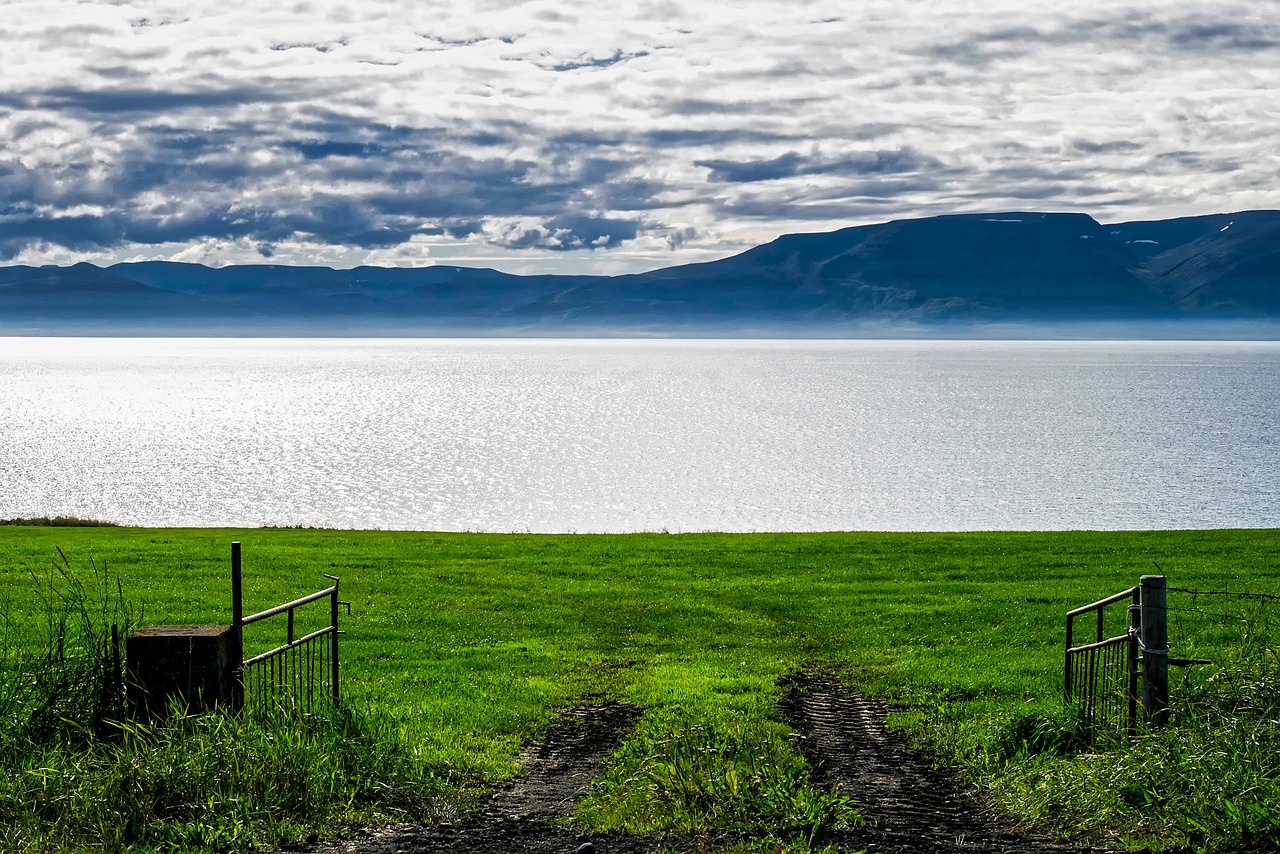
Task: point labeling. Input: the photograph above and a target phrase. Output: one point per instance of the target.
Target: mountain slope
(1001, 268)
(971, 267)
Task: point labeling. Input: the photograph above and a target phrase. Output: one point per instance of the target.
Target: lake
(611, 435)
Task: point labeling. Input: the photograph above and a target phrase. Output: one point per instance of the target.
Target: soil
(525, 815)
(909, 807)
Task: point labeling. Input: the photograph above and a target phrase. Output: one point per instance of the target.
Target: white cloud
(516, 134)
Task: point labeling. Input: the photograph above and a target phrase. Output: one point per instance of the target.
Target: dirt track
(519, 816)
(910, 808)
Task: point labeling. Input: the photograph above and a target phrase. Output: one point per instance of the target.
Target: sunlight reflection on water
(555, 435)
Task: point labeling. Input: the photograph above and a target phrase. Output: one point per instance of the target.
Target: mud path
(521, 814)
(909, 807)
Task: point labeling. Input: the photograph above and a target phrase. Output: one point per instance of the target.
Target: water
(540, 435)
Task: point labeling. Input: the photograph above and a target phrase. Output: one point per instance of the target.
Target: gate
(1102, 674)
(301, 674)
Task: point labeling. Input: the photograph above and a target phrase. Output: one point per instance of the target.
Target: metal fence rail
(302, 673)
(1102, 675)
(290, 677)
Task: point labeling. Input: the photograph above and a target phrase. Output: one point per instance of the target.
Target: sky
(560, 136)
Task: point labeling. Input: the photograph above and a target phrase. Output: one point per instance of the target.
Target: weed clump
(66, 686)
(738, 774)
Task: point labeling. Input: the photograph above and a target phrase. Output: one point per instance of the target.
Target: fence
(1123, 669)
(1102, 675)
(300, 674)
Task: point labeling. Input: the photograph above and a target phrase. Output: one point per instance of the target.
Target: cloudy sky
(566, 136)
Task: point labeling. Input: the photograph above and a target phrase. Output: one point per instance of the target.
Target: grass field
(470, 643)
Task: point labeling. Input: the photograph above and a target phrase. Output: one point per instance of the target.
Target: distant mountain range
(1034, 273)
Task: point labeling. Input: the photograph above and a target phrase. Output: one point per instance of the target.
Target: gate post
(333, 623)
(1068, 685)
(1154, 640)
(237, 630)
(1133, 649)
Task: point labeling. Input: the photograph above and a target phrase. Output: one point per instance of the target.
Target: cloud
(1138, 32)
(792, 164)
(596, 61)
(680, 236)
(562, 234)
(493, 132)
(140, 101)
(1225, 35)
(1086, 146)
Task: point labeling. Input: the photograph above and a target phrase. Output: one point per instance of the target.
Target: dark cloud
(318, 149)
(792, 164)
(137, 100)
(336, 221)
(16, 100)
(318, 47)
(445, 43)
(1119, 146)
(1185, 33)
(381, 186)
(115, 72)
(769, 208)
(458, 229)
(597, 62)
(1224, 36)
(983, 48)
(718, 137)
(840, 201)
(1202, 162)
(680, 236)
(709, 107)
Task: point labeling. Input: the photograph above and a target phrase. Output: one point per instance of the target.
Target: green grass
(735, 774)
(466, 645)
(218, 782)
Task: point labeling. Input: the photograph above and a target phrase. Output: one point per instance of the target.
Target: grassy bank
(465, 645)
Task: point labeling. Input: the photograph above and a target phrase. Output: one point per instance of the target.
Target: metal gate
(1101, 675)
(298, 676)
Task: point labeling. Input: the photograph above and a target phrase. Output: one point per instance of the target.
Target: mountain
(961, 274)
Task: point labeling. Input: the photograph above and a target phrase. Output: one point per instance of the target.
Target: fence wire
(1223, 641)
(1223, 647)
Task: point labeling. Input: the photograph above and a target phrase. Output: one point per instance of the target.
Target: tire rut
(521, 814)
(910, 808)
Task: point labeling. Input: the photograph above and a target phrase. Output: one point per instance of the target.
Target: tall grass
(66, 687)
(75, 775)
(220, 782)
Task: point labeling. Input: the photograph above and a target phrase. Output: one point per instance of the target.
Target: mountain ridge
(935, 274)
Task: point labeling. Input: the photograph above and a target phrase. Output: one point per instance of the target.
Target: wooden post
(1154, 636)
(237, 630)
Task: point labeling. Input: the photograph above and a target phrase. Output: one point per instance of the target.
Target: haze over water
(586, 435)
